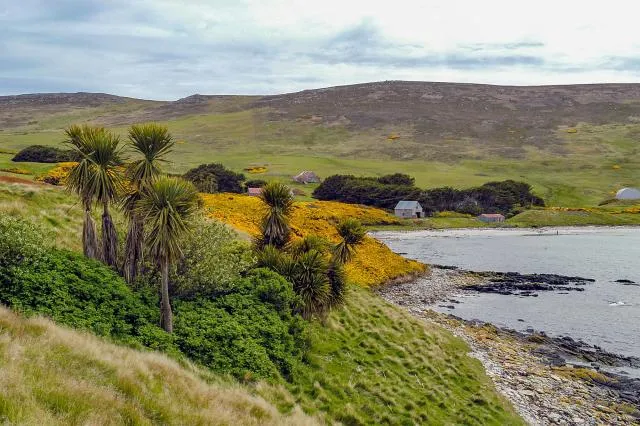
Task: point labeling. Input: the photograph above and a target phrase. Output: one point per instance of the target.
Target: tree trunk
(133, 249)
(89, 237)
(166, 320)
(109, 238)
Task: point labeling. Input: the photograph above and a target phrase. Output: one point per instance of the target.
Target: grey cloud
(140, 49)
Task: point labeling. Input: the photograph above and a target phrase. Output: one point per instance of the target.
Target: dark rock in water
(452, 268)
(627, 282)
(508, 283)
(520, 319)
(447, 306)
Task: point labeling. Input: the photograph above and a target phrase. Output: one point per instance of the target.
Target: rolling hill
(575, 144)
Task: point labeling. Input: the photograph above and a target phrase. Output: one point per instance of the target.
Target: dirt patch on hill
(11, 179)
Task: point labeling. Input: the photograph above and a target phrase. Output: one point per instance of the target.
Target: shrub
(57, 175)
(367, 191)
(44, 154)
(397, 179)
(255, 183)
(213, 259)
(212, 178)
(385, 192)
(20, 241)
(81, 293)
(250, 331)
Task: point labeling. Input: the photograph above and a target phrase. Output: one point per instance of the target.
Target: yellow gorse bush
(373, 263)
(58, 174)
(256, 169)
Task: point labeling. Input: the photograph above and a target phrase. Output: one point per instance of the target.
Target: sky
(168, 49)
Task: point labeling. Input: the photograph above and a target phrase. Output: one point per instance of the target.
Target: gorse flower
(372, 264)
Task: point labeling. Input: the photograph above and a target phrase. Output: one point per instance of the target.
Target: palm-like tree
(311, 282)
(167, 208)
(105, 185)
(351, 233)
(275, 229)
(78, 181)
(152, 142)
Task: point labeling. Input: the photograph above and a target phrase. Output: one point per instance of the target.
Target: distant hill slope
(50, 375)
(576, 145)
(488, 115)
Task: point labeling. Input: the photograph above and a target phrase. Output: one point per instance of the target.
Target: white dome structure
(628, 194)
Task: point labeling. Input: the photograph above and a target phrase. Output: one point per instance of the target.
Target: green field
(595, 162)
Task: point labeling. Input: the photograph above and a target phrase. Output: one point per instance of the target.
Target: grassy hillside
(55, 376)
(375, 364)
(575, 144)
(370, 363)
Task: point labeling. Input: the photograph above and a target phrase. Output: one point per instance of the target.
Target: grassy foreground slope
(375, 364)
(55, 376)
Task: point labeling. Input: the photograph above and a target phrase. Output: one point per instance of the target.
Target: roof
(628, 190)
(495, 215)
(407, 205)
(306, 175)
(254, 191)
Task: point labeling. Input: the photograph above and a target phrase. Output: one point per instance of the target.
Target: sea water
(606, 314)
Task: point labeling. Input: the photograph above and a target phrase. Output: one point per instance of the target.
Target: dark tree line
(385, 192)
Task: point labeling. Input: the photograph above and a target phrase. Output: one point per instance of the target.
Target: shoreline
(531, 370)
(487, 229)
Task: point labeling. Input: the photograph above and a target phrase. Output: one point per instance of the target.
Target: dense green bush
(251, 331)
(81, 293)
(385, 192)
(248, 328)
(44, 154)
(20, 241)
(367, 191)
(213, 260)
(255, 183)
(212, 178)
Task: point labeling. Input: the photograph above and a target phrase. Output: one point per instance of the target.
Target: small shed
(628, 194)
(408, 209)
(306, 177)
(256, 192)
(491, 217)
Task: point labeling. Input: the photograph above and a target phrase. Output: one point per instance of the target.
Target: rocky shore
(548, 380)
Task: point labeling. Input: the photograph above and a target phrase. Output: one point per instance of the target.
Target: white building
(409, 210)
(628, 194)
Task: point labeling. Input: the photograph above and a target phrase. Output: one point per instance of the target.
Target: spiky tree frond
(310, 282)
(275, 229)
(306, 244)
(79, 179)
(352, 233)
(167, 208)
(105, 180)
(151, 143)
(338, 283)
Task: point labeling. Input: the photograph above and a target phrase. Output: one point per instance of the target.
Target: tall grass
(50, 375)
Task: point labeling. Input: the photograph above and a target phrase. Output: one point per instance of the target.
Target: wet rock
(509, 283)
(627, 282)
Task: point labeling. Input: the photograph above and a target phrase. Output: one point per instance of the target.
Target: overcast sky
(167, 49)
